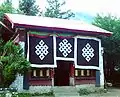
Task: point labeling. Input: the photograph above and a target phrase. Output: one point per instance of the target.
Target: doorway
(62, 73)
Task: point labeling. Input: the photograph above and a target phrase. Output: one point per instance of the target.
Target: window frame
(44, 73)
(92, 74)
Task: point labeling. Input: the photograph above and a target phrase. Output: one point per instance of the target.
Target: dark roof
(55, 24)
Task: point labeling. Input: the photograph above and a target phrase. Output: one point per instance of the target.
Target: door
(62, 73)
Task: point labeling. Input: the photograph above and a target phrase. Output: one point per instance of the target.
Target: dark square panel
(65, 47)
(41, 50)
(87, 52)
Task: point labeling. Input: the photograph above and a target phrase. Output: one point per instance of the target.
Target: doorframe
(71, 77)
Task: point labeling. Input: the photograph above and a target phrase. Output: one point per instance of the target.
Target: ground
(112, 92)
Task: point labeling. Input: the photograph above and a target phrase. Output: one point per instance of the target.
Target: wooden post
(52, 76)
(72, 70)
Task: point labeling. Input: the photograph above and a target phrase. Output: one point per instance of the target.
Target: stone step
(70, 94)
(65, 91)
(64, 87)
(67, 96)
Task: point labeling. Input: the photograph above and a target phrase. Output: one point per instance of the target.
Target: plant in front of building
(43, 94)
(84, 92)
(87, 91)
(12, 62)
(50, 94)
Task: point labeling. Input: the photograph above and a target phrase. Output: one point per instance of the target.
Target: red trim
(9, 19)
(72, 69)
(52, 73)
(63, 29)
(78, 82)
(85, 80)
(40, 82)
(39, 36)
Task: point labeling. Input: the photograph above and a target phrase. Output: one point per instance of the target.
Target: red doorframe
(63, 72)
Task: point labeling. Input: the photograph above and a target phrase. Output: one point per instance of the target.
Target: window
(39, 73)
(85, 73)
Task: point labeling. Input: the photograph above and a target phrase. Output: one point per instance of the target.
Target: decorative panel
(65, 47)
(87, 52)
(41, 50)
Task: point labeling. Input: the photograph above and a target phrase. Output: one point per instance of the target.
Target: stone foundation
(40, 89)
(72, 83)
(18, 83)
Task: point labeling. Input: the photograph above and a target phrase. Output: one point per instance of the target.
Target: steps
(65, 91)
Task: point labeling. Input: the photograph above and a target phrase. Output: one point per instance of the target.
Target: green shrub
(87, 92)
(84, 92)
(28, 94)
(24, 95)
(12, 62)
(43, 94)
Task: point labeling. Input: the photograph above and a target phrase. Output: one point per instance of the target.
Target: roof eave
(7, 17)
(63, 29)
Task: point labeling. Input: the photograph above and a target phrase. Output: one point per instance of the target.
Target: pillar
(26, 81)
(26, 75)
(97, 78)
(101, 67)
(72, 80)
(100, 72)
(52, 76)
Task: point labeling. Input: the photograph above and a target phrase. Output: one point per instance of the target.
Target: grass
(19, 95)
(29, 94)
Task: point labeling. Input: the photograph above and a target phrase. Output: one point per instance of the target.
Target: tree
(12, 62)
(6, 7)
(54, 10)
(111, 44)
(8, 1)
(28, 7)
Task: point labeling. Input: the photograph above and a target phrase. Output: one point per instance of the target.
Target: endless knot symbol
(88, 52)
(65, 47)
(41, 49)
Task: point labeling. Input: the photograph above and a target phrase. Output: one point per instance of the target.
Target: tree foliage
(54, 10)
(111, 44)
(12, 62)
(6, 7)
(28, 7)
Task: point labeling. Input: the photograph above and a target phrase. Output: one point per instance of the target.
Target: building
(61, 52)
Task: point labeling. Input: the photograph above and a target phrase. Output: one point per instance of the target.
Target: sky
(95, 6)
(88, 6)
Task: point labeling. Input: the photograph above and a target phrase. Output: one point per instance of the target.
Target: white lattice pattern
(41, 49)
(65, 47)
(88, 52)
